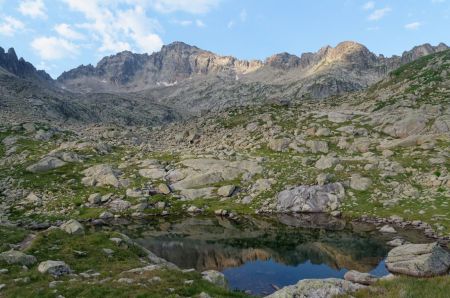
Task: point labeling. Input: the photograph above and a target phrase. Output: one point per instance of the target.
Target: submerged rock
(315, 288)
(422, 260)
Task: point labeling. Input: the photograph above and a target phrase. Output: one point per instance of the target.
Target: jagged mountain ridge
(182, 80)
(21, 68)
(349, 64)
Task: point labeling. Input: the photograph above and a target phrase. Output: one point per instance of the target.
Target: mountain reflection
(217, 243)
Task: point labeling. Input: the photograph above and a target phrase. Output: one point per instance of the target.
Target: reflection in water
(256, 253)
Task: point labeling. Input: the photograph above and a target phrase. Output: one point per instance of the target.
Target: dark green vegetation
(85, 252)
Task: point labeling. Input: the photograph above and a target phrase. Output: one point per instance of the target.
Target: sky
(58, 35)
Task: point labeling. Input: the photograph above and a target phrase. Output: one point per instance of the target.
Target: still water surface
(263, 253)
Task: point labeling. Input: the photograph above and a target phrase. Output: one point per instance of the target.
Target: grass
(407, 287)
(11, 235)
(57, 245)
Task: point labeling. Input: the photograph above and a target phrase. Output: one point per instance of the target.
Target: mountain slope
(347, 67)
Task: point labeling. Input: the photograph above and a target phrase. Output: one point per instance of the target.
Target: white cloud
(369, 5)
(243, 15)
(119, 25)
(140, 28)
(54, 48)
(200, 23)
(10, 26)
(379, 14)
(230, 24)
(66, 31)
(33, 8)
(189, 6)
(183, 23)
(413, 26)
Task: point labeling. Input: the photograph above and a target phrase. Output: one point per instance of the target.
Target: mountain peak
(20, 67)
(178, 46)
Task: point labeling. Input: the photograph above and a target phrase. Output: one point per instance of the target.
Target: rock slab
(315, 288)
(420, 260)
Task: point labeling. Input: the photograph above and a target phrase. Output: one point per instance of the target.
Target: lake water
(259, 254)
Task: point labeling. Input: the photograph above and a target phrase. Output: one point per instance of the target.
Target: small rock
(106, 215)
(396, 242)
(215, 277)
(360, 278)
(387, 229)
(95, 198)
(55, 268)
(164, 189)
(72, 227)
(226, 191)
(358, 182)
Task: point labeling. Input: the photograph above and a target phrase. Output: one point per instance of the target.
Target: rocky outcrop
(21, 68)
(314, 288)
(421, 260)
(315, 198)
(46, 164)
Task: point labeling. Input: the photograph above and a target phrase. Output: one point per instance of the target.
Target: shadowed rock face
(21, 68)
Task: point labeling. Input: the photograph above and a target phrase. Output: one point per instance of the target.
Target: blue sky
(57, 35)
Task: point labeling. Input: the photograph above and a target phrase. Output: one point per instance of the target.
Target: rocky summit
(197, 147)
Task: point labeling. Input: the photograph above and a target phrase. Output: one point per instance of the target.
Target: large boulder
(14, 257)
(119, 205)
(314, 198)
(317, 288)
(215, 277)
(153, 174)
(101, 175)
(192, 194)
(410, 124)
(279, 145)
(55, 268)
(422, 260)
(317, 146)
(46, 164)
(72, 227)
(198, 180)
